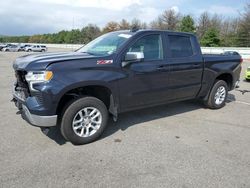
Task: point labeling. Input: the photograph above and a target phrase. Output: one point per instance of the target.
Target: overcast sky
(27, 17)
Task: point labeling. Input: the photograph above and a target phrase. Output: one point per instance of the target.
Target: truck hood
(42, 60)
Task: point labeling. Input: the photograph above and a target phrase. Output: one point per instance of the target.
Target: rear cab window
(180, 46)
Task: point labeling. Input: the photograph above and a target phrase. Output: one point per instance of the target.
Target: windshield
(105, 44)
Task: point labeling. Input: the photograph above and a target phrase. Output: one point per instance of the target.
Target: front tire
(84, 120)
(218, 95)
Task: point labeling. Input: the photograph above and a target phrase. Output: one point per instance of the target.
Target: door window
(150, 45)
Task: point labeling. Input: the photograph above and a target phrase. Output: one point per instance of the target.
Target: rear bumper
(237, 84)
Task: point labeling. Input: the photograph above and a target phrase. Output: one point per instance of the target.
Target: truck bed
(221, 58)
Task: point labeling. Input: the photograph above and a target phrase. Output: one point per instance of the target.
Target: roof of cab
(153, 30)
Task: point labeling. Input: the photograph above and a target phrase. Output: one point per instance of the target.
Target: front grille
(20, 76)
(21, 83)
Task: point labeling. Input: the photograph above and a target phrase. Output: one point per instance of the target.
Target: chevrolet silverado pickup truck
(118, 72)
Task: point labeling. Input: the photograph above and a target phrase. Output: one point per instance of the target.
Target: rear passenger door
(33, 48)
(37, 48)
(186, 66)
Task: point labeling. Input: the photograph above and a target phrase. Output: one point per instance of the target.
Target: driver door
(147, 80)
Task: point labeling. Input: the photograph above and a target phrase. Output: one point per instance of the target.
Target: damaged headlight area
(33, 77)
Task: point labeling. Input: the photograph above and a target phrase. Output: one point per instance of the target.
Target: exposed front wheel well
(100, 92)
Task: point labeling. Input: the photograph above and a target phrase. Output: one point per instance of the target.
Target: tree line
(211, 29)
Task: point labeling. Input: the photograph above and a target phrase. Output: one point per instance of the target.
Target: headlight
(39, 76)
(33, 77)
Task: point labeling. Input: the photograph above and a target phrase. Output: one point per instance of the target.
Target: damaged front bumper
(25, 105)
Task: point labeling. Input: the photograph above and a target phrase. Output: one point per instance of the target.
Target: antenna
(73, 23)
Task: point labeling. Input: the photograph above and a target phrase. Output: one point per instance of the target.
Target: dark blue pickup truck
(117, 72)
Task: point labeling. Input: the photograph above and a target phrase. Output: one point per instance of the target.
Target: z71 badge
(104, 62)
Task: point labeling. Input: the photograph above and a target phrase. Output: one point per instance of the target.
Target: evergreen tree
(89, 33)
(211, 38)
(187, 24)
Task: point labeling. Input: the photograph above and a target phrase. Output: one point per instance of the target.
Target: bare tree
(157, 23)
(229, 26)
(216, 22)
(168, 20)
(203, 24)
(111, 26)
(244, 27)
(228, 31)
(124, 24)
(234, 25)
(144, 25)
(137, 24)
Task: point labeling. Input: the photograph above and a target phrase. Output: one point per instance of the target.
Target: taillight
(241, 60)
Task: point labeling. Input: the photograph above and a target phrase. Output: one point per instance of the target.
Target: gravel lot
(177, 145)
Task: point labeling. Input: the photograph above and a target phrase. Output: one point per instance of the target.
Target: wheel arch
(100, 91)
(227, 77)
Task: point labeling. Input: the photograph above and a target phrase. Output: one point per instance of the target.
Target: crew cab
(118, 72)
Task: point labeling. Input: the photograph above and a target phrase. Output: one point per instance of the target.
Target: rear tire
(84, 120)
(218, 95)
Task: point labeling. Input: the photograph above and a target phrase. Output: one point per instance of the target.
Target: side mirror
(132, 57)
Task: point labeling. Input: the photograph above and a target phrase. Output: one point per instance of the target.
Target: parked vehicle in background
(230, 53)
(22, 47)
(248, 74)
(4, 46)
(118, 72)
(11, 48)
(36, 48)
